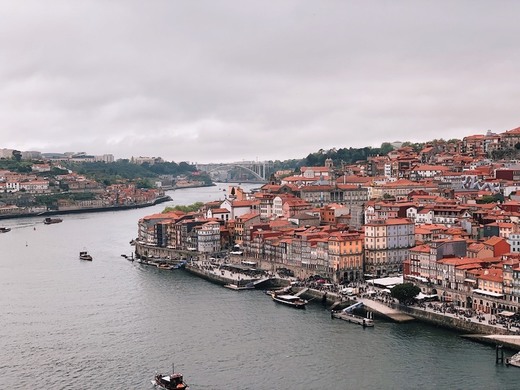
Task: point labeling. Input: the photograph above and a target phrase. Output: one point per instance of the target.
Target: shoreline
(156, 201)
(161, 199)
(467, 328)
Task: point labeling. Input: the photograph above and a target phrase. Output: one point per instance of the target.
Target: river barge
(50, 221)
(290, 300)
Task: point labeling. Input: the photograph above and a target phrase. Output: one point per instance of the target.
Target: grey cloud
(230, 80)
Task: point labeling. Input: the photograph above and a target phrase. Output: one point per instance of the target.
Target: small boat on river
(49, 220)
(4, 230)
(173, 381)
(83, 255)
(290, 300)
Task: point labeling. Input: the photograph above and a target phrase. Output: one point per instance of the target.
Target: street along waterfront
(72, 324)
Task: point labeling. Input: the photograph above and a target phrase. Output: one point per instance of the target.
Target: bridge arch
(228, 166)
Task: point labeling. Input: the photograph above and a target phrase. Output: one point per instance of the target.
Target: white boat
(290, 300)
(514, 360)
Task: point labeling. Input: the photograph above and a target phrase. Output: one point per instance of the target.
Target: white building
(208, 237)
(514, 241)
(387, 244)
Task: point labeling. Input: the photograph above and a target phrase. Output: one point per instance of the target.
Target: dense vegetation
(123, 171)
(352, 155)
(344, 155)
(15, 165)
(186, 209)
(51, 201)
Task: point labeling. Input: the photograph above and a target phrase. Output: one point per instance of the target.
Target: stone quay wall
(143, 251)
(210, 276)
(455, 323)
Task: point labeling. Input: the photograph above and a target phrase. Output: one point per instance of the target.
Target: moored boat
(49, 220)
(239, 287)
(161, 264)
(180, 264)
(290, 300)
(83, 255)
(164, 266)
(173, 381)
(513, 360)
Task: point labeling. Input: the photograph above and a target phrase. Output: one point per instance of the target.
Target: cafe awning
(488, 293)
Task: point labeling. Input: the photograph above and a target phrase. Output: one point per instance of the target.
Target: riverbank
(161, 199)
(481, 327)
(224, 274)
(476, 328)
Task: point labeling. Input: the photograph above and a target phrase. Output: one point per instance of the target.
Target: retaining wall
(460, 324)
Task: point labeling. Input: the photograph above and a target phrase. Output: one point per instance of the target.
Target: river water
(111, 323)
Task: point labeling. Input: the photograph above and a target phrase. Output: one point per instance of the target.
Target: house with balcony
(346, 256)
(387, 244)
(208, 237)
(489, 290)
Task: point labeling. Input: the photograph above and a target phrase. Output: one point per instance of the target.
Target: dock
(386, 311)
(347, 315)
(301, 292)
(509, 341)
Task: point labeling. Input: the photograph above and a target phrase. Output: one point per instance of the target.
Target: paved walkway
(486, 319)
(510, 341)
(385, 310)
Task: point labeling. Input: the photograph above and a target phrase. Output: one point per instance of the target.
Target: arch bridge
(258, 170)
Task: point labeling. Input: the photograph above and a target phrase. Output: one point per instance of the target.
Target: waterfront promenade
(477, 326)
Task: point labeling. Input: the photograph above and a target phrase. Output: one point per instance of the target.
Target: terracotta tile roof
(512, 132)
(421, 248)
(494, 241)
(219, 211)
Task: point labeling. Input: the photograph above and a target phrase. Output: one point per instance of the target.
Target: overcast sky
(223, 81)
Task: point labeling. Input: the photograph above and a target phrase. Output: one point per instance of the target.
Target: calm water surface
(110, 324)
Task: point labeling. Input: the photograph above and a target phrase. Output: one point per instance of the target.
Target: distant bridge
(260, 170)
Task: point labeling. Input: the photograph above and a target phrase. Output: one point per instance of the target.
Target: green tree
(386, 147)
(17, 155)
(185, 209)
(405, 293)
